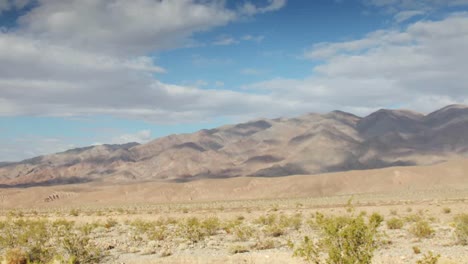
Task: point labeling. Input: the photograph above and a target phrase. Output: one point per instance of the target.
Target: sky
(75, 73)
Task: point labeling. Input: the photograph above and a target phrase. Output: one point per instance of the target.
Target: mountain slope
(309, 144)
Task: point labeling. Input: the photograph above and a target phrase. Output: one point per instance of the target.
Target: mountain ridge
(308, 144)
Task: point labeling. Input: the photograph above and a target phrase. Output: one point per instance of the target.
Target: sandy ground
(435, 193)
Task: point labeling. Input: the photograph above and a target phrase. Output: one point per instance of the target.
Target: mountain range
(304, 145)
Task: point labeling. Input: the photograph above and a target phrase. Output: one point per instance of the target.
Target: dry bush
(421, 229)
(395, 223)
(461, 229)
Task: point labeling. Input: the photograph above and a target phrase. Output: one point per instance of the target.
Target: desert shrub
(236, 249)
(243, 232)
(461, 229)
(211, 225)
(79, 249)
(294, 221)
(110, 222)
(395, 223)
(446, 210)
(191, 229)
(153, 230)
(429, 258)
(412, 218)
(376, 218)
(393, 212)
(307, 250)
(16, 256)
(74, 212)
(230, 225)
(416, 250)
(37, 238)
(89, 227)
(266, 220)
(265, 244)
(421, 229)
(274, 230)
(347, 239)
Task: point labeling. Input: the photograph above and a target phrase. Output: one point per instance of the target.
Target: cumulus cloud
(76, 57)
(123, 27)
(421, 67)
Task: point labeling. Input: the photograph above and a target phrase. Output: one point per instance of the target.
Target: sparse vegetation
(236, 249)
(429, 258)
(395, 223)
(461, 229)
(421, 229)
(328, 235)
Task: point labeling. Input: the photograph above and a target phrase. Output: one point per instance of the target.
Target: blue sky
(75, 73)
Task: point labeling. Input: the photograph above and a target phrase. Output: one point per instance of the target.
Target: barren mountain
(308, 144)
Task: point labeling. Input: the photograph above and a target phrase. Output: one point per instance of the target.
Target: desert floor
(259, 231)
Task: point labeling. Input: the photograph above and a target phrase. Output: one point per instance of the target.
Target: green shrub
(376, 218)
(74, 212)
(461, 229)
(79, 249)
(308, 251)
(412, 218)
(243, 232)
(349, 239)
(429, 258)
(294, 221)
(395, 223)
(211, 225)
(266, 220)
(421, 229)
(191, 229)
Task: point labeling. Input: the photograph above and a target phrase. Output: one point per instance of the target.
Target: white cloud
(142, 136)
(421, 67)
(249, 8)
(225, 41)
(76, 57)
(408, 14)
(120, 26)
(402, 10)
(253, 38)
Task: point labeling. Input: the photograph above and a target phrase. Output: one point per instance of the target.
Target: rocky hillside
(309, 144)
